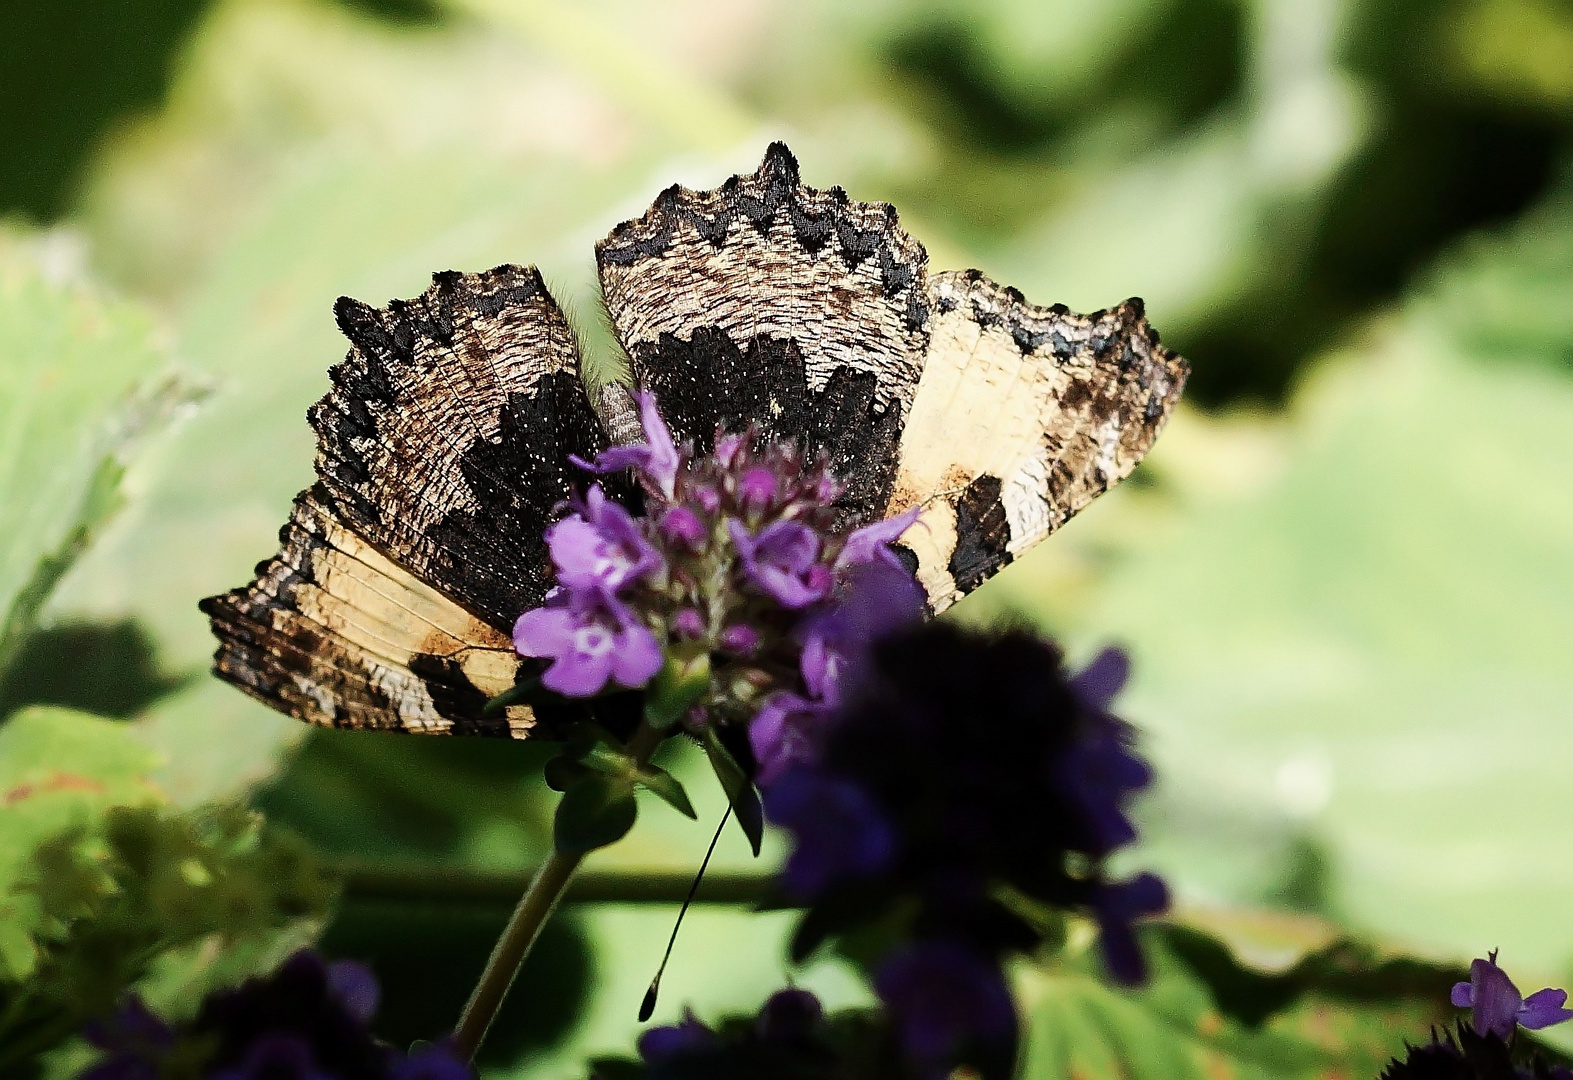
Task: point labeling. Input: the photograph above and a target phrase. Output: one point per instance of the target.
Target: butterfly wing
(1023, 416)
(442, 450)
(767, 302)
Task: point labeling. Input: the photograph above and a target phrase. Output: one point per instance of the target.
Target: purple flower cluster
(733, 556)
(958, 766)
(791, 1038)
(306, 1021)
(1467, 1054)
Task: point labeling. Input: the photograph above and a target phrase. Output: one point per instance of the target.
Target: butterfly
(444, 444)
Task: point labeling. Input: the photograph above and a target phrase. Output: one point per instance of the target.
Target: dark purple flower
(841, 832)
(658, 459)
(784, 734)
(1099, 682)
(946, 1001)
(872, 543)
(590, 641)
(601, 547)
(433, 1061)
(1497, 1005)
(788, 729)
(1117, 908)
(282, 1055)
(1100, 774)
(783, 562)
(355, 988)
(687, 1037)
(135, 1042)
(789, 1015)
(1465, 1054)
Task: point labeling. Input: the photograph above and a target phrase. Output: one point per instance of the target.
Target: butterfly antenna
(647, 1007)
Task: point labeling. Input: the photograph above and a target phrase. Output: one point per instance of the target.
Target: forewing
(1023, 416)
(442, 450)
(768, 302)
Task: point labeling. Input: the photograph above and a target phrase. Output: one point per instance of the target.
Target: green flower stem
(524, 926)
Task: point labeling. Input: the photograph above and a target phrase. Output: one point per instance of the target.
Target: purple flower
(591, 640)
(872, 543)
(787, 731)
(602, 549)
(658, 459)
(740, 639)
(355, 987)
(664, 1043)
(945, 1001)
(434, 1061)
(1117, 907)
(1099, 682)
(279, 1055)
(1497, 1005)
(784, 734)
(757, 488)
(680, 525)
(789, 1015)
(134, 1039)
(783, 562)
(688, 623)
(841, 832)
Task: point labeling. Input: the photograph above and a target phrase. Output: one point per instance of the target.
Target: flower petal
(1544, 1008)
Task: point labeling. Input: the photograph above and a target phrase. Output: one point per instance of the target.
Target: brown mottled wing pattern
(442, 449)
(1023, 416)
(768, 302)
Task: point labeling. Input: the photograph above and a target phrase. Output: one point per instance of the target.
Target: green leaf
(1348, 627)
(1078, 1025)
(596, 811)
(738, 787)
(79, 397)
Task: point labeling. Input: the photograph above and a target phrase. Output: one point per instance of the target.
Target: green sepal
(677, 687)
(595, 811)
(608, 757)
(738, 787)
(666, 787)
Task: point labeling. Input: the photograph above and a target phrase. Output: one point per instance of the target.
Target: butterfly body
(444, 444)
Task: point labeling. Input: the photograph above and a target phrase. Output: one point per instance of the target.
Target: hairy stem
(524, 927)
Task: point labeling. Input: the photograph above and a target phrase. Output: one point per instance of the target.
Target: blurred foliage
(98, 882)
(1345, 587)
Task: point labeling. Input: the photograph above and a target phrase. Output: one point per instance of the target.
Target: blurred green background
(1345, 573)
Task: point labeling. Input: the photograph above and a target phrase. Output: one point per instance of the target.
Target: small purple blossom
(134, 1040)
(434, 1061)
(789, 1015)
(841, 832)
(944, 1001)
(739, 639)
(680, 525)
(600, 547)
(872, 543)
(1497, 1005)
(1117, 907)
(355, 987)
(686, 1037)
(282, 1055)
(757, 488)
(688, 624)
(783, 562)
(658, 458)
(590, 643)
